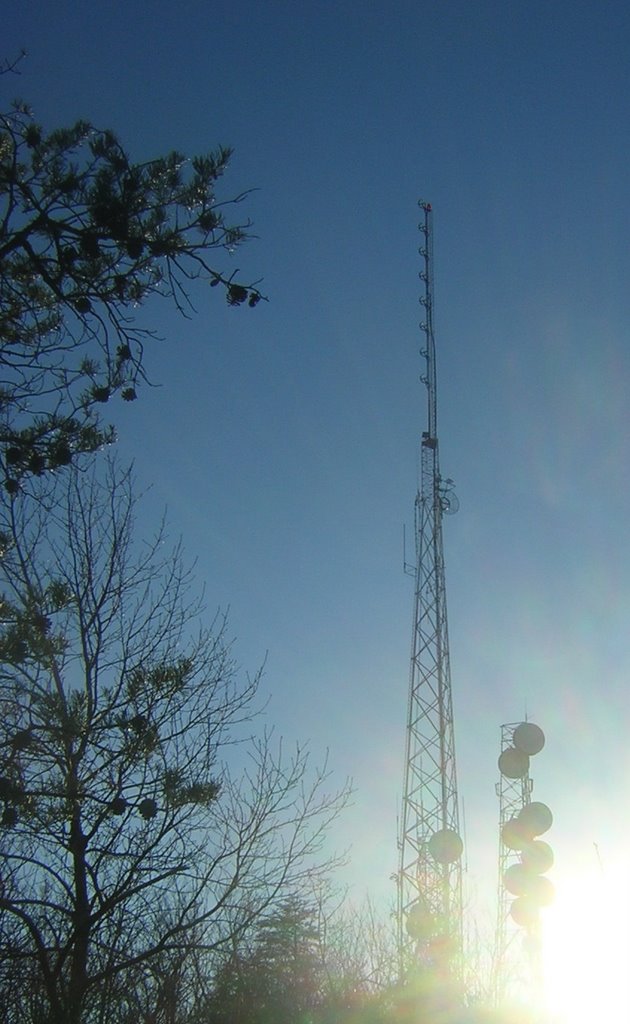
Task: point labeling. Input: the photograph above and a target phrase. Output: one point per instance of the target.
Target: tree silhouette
(278, 976)
(133, 828)
(86, 236)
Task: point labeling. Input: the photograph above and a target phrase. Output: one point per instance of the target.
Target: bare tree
(141, 817)
(358, 951)
(86, 237)
(311, 957)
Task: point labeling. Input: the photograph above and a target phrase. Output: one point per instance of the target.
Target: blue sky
(284, 439)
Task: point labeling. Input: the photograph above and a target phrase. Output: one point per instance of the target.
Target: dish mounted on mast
(524, 859)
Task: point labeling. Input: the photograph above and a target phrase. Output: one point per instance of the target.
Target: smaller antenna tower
(523, 860)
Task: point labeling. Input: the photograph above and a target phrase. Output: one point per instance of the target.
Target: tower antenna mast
(429, 911)
(524, 860)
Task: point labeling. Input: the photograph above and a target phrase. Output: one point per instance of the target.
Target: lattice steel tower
(429, 877)
(524, 859)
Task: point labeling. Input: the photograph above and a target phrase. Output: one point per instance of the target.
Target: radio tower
(429, 912)
(524, 860)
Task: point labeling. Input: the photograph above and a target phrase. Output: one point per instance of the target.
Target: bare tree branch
(140, 816)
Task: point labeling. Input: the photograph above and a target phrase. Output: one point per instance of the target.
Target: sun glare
(586, 946)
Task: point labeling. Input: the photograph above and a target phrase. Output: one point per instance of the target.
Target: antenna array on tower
(429, 913)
